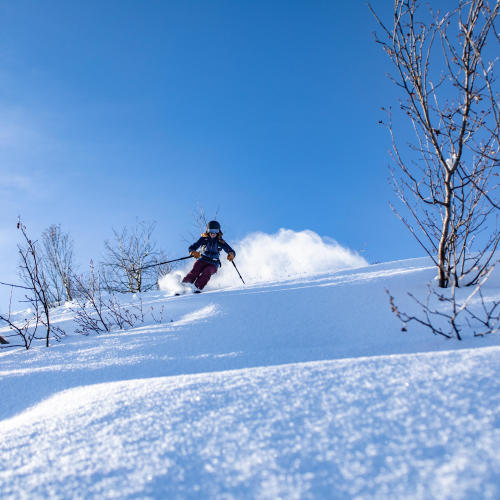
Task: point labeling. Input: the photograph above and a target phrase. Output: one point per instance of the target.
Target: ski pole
(164, 262)
(238, 272)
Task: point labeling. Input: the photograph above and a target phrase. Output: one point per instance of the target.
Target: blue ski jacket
(211, 248)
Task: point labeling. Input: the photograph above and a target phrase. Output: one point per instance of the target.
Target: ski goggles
(213, 231)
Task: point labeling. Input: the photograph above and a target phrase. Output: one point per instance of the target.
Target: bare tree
(200, 218)
(99, 311)
(89, 304)
(35, 294)
(58, 264)
(128, 255)
(200, 221)
(444, 66)
(32, 274)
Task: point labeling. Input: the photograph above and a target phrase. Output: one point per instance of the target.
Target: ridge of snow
(345, 428)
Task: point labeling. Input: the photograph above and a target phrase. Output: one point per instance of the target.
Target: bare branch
(448, 185)
(125, 267)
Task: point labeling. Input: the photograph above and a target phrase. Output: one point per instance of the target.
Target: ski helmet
(213, 227)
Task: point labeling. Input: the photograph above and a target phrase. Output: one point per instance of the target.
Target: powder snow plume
(275, 257)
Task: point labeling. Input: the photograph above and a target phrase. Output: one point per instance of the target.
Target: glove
(195, 254)
(230, 256)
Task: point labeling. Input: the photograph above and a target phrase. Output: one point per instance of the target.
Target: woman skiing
(208, 261)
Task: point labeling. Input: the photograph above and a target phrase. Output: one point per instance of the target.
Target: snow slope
(299, 388)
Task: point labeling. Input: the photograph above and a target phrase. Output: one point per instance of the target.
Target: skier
(208, 261)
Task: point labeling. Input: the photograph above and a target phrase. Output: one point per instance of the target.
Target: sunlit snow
(298, 385)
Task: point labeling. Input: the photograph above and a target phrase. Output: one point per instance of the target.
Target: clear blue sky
(265, 110)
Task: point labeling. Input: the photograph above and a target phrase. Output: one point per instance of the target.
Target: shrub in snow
(98, 311)
(35, 293)
(450, 312)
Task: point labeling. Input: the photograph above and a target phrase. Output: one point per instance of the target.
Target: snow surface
(286, 388)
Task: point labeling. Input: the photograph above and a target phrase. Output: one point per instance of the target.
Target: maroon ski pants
(200, 274)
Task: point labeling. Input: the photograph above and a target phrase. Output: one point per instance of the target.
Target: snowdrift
(295, 387)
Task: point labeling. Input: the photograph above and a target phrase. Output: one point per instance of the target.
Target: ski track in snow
(297, 389)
